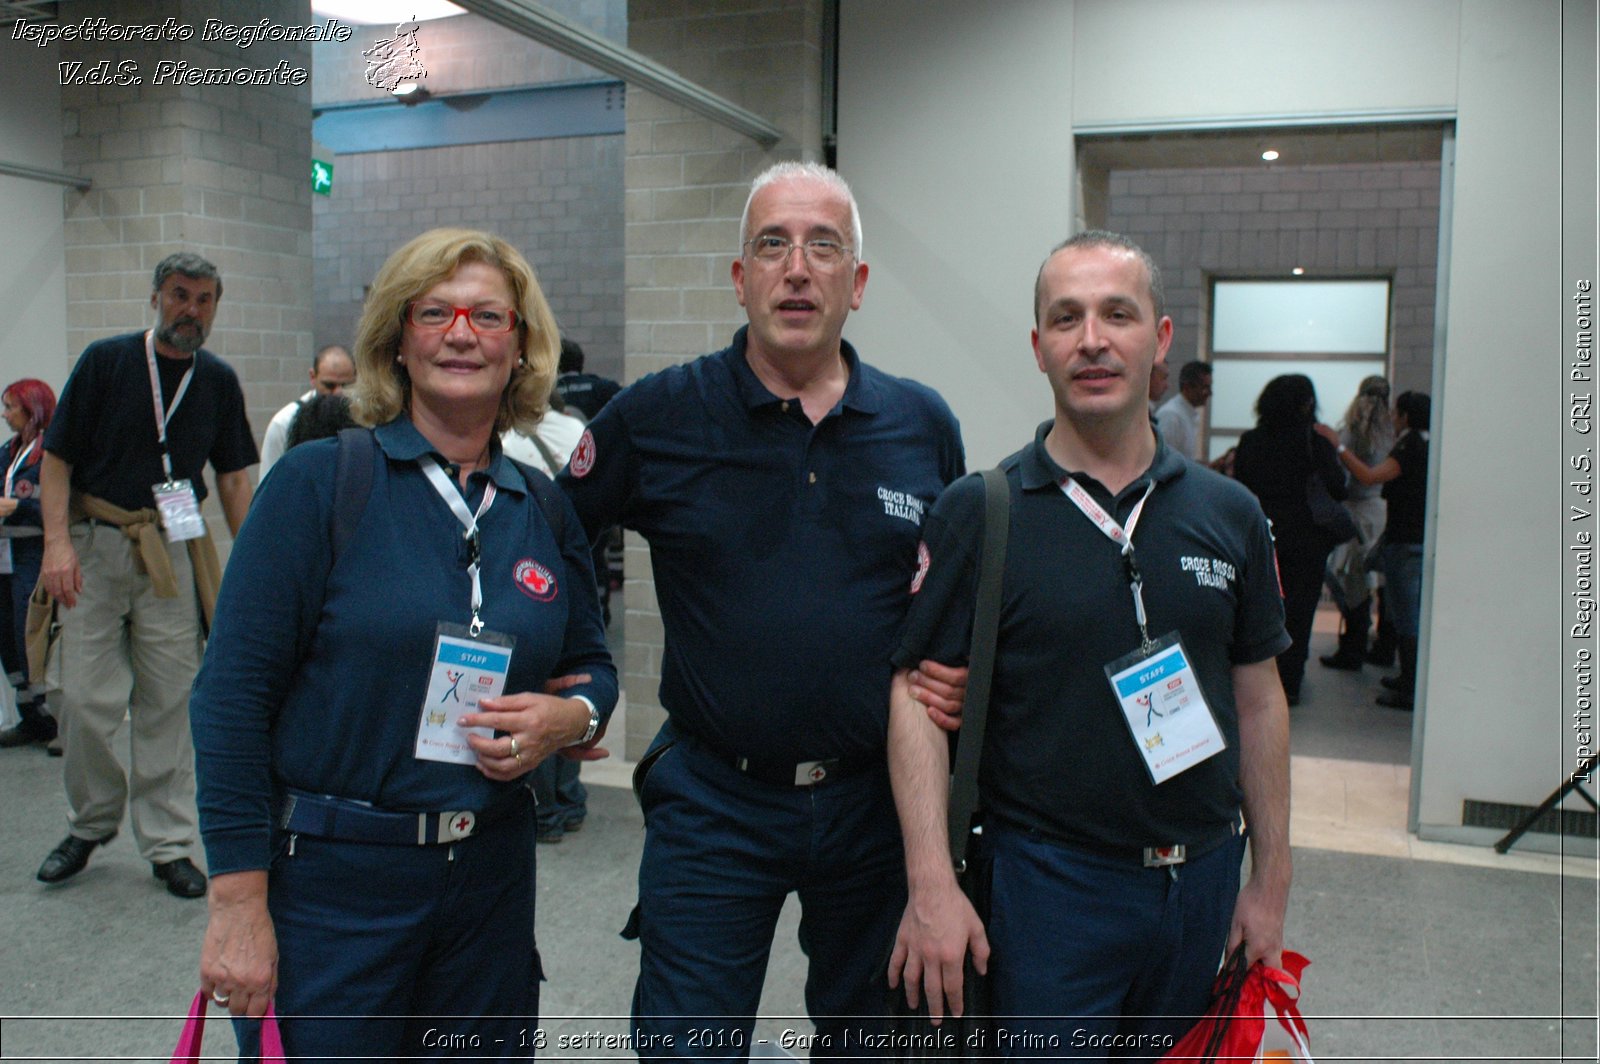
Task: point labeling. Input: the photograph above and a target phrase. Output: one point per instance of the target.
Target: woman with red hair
(29, 405)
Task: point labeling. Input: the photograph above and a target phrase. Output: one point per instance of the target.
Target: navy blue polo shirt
(780, 548)
(105, 425)
(314, 676)
(1059, 756)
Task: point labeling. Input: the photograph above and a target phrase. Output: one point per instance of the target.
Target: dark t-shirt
(586, 392)
(1407, 493)
(105, 426)
(1059, 756)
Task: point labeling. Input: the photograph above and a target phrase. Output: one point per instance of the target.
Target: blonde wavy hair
(382, 390)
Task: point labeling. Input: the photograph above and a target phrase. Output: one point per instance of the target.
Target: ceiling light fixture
(1298, 271)
(1270, 155)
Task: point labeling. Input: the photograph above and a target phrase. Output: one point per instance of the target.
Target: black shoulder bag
(913, 1037)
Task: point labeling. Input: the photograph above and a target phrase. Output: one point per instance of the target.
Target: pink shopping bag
(194, 1030)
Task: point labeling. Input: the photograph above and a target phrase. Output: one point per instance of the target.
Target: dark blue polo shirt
(1059, 756)
(314, 676)
(780, 548)
(105, 425)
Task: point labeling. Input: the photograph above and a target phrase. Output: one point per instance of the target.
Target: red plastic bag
(194, 1030)
(1235, 1025)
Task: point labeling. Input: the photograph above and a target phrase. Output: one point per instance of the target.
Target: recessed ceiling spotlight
(1298, 271)
(410, 93)
(1270, 155)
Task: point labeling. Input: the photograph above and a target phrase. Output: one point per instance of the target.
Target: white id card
(5, 558)
(1166, 712)
(465, 670)
(180, 511)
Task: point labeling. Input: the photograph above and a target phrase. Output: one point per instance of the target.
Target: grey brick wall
(220, 170)
(1370, 219)
(686, 181)
(559, 202)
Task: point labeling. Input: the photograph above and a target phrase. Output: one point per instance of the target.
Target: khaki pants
(124, 651)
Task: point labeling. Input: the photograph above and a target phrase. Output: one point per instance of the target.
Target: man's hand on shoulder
(941, 690)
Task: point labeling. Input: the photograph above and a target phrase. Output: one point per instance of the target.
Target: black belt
(1149, 856)
(327, 817)
(791, 773)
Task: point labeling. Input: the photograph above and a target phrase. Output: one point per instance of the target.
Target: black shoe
(1342, 661)
(68, 859)
(1390, 683)
(183, 879)
(1395, 700)
(21, 735)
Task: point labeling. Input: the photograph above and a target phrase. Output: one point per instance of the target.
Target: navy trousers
(1097, 957)
(722, 852)
(394, 952)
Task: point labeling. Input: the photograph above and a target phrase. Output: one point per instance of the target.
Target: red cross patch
(534, 580)
(583, 455)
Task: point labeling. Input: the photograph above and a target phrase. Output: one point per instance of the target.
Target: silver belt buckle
(810, 773)
(456, 825)
(1162, 856)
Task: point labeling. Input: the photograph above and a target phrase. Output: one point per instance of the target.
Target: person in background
(1276, 459)
(332, 371)
(1368, 431)
(29, 405)
(1178, 420)
(1404, 476)
(585, 393)
(318, 418)
(130, 564)
(563, 800)
(372, 859)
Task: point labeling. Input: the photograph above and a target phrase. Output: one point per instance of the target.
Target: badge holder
(1166, 712)
(179, 509)
(466, 668)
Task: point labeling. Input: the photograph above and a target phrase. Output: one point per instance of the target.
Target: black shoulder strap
(980, 663)
(545, 491)
(352, 484)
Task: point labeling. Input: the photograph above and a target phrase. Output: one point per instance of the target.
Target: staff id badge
(465, 670)
(180, 511)
(1166, 712)
(5, 558)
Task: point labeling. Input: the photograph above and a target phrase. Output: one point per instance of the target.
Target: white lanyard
(11, 474)
(469, 521)
(1122, 536)
(155, 397)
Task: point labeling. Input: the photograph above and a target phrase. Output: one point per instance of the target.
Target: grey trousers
(127, 653)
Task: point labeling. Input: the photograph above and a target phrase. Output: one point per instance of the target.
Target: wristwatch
(594, 722)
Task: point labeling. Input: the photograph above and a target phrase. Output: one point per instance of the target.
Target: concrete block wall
(687, 179)
(559, 202)
(221, 170)
(1339, 220)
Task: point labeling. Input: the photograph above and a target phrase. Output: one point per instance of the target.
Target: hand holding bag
(966, 1037)
(1235, 1025)
(194, 1030)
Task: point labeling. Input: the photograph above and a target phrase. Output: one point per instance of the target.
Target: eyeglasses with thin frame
(822, 254)
(441, 317)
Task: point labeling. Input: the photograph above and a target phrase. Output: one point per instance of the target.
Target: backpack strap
(352, 484)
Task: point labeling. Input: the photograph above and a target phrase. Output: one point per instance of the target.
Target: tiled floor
(1419, 951)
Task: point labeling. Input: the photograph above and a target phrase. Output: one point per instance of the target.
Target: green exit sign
(321, 177)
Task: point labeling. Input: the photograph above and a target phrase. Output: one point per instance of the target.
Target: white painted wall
(33, 266)
(955, 129)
